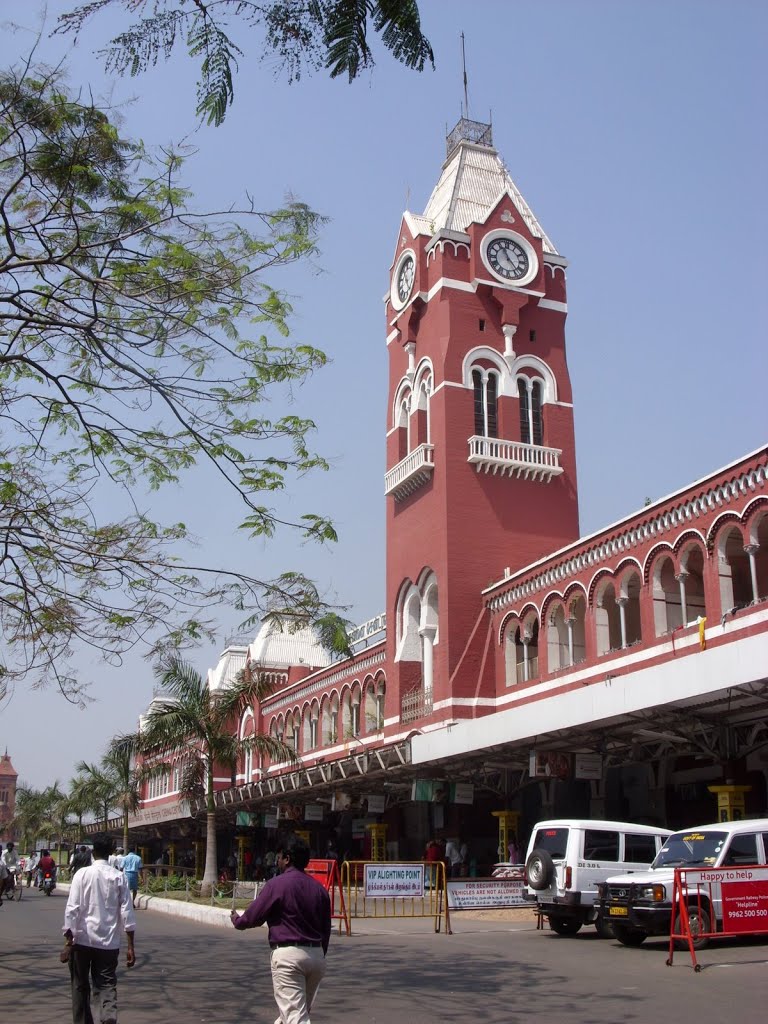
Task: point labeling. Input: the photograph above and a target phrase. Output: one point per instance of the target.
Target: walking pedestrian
(297, 910)
(132, 865)
(99, 903)
(80, 859)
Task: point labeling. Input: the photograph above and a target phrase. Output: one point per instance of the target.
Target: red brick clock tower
(481, 469)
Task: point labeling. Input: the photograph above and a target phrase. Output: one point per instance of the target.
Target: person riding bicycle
(10, 859)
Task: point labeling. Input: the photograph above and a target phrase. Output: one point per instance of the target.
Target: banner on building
(588, 766)
(290, 812)
(246, 819)
(549, 764)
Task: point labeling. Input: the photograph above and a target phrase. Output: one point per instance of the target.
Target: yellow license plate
(618, 912)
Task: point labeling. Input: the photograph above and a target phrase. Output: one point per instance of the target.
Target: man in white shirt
(10, 861)
(99, 902)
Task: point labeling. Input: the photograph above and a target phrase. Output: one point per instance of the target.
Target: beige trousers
(296, 974)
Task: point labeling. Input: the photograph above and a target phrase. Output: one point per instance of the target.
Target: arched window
(485, 385)
(404, 426)
(531, 395)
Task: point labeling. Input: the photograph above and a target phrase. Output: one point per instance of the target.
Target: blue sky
(636, 132)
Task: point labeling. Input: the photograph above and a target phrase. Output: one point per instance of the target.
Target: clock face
(405, 277)
(507, 258)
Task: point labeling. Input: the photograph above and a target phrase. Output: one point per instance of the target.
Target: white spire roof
(231, 662)
(276, 648)
(473, 181)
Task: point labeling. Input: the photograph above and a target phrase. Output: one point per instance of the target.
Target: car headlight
(654, 893)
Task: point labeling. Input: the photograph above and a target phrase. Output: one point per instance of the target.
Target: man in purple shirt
(298, 912)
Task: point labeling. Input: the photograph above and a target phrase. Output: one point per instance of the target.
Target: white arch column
(427, 634)
(751, 550)
(681, 578)
(622, 603)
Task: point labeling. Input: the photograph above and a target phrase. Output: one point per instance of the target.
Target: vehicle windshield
(689, 848)
(553, 840)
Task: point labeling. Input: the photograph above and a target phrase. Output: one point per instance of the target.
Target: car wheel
(604, 928)
(539, 869)
(628, 936)
(564, 925)
(698, 920)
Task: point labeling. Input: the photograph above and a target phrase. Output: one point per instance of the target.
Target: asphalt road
(388, 972)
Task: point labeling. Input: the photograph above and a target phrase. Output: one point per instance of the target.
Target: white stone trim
(558, 307)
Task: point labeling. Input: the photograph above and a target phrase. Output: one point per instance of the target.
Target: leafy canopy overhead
(134, 345)
(302, 34)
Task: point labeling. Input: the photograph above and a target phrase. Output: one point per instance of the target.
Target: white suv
(568, 858)
(639, 905)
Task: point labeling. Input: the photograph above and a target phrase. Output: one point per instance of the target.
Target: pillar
(427, 634)
(242, 842)
(199, 858)
(681, 578)
(172, 854)
(507, 828)
(751, 550)
(730, 801)
(622, 603)
(378, 841)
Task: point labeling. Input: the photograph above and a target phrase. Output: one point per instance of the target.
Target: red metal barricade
(709, 903)
(326, 872)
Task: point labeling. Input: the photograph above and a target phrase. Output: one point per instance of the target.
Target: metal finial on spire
(464, 69)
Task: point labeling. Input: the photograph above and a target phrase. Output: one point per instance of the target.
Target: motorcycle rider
(10, 859)
(46, 866)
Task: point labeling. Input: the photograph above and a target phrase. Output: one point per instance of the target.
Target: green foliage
(135, 344)
(301, 34)
(191, 724)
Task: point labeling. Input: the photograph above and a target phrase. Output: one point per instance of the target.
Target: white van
(639, 905)
(568, 858)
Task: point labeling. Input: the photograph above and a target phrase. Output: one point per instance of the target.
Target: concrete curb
(218, 916)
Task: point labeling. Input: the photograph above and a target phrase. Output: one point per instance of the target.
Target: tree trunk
(211, 872)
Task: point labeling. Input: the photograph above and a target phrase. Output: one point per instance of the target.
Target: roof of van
(743, 825)
(598, 823)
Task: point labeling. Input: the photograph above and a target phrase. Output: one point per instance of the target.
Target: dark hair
(298, 852)
(102, 846)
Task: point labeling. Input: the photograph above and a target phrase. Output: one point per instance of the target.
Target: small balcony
(513, 458)
(411, 472)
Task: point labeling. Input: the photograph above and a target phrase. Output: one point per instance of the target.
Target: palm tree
(57, 812)
(200, 727)
(120, 765)
(80, 799)
(30, 817)
(98, 789)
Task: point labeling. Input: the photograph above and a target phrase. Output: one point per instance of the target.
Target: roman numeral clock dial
(509, 257)
(403, 278)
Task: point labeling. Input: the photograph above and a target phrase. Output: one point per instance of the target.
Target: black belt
(279, 945)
